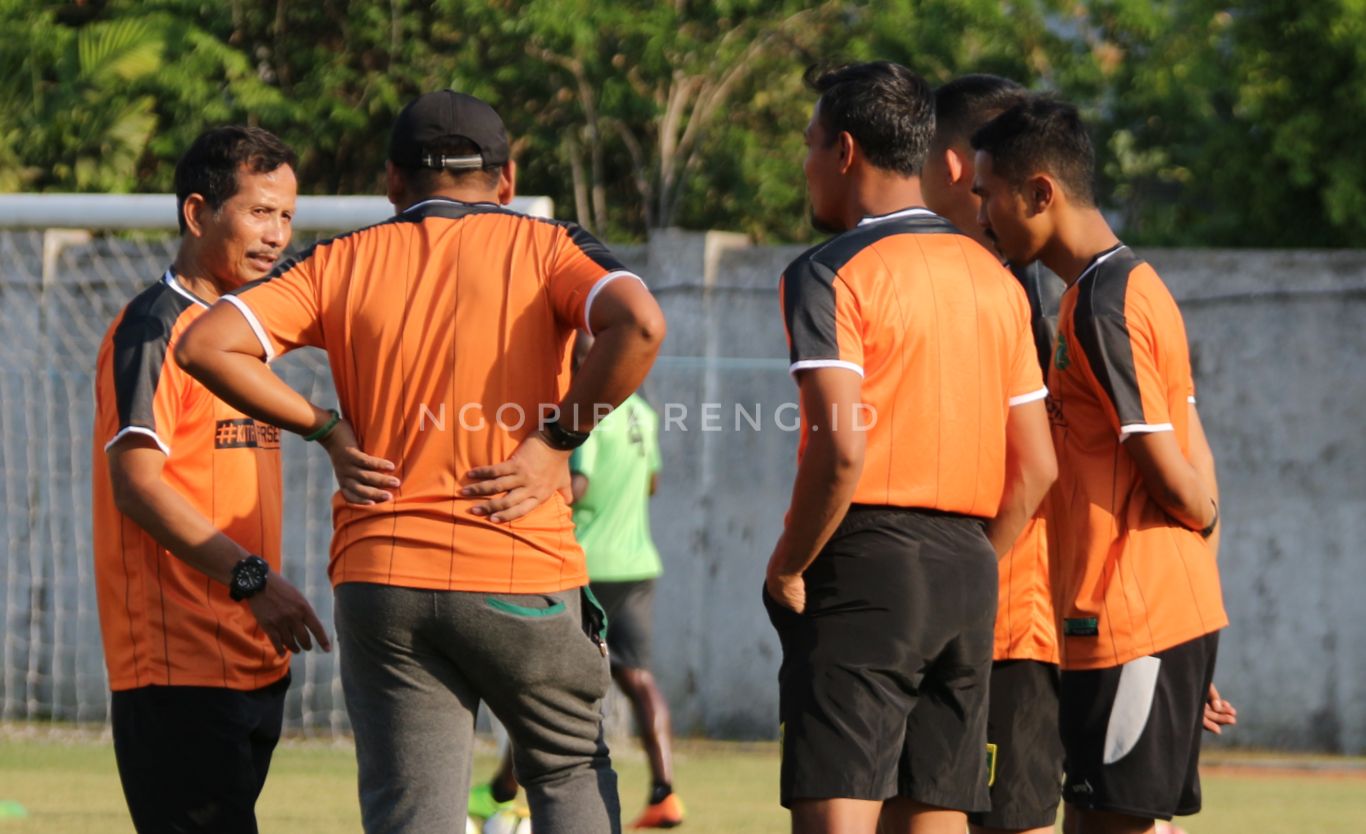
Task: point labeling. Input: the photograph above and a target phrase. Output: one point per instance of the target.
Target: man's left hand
(1218, 712)
(788, 590)
(527, 479)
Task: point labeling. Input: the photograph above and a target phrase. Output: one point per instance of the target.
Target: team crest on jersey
(245, 433)
(1060, 359)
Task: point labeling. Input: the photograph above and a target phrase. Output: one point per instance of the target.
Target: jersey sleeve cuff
(255, 324)
(1029, 398)
(1143, 428)
(143, 430)
(597, 288)
(808, 364)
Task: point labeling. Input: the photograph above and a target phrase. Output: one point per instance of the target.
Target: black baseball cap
(431, 119)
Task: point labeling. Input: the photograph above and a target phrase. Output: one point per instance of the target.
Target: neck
(190, 272)
(1079, 237)
(463, 195)
(877, 192)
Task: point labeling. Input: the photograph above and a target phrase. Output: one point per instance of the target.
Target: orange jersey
(1026, 628)
(940, 333)
(1131, 581)
(446, 328)
(162, 621)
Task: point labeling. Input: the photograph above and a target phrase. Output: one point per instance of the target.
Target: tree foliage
(1219, 123)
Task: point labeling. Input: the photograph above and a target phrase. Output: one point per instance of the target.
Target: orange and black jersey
(1131, 581)
(447, 330)
(1026, 628)
(940, 333)
(162, 621)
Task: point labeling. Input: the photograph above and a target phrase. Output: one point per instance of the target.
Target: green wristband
(326, 428)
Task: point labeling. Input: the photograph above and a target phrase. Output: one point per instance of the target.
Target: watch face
(248, 577)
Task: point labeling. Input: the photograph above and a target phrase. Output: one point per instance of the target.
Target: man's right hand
(287, 618)
(361, 478)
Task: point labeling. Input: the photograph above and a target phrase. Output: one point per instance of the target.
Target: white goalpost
(68, 264)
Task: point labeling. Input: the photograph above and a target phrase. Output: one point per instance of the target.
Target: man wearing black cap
(457, 576)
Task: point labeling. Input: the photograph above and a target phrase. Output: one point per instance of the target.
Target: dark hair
(428, 180)
(966, 103)
(1042, 134)
(209, 168)
(888, 109)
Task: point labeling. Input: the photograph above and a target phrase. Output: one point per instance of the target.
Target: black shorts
(630, 608)
(883, 685)
(1022, 733)
(1132, 732)
(194, 758)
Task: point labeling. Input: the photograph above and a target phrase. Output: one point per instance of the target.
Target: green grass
(67, 782)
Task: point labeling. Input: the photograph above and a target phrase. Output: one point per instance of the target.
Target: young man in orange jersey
(196, 619)
(447, 329)
(924, 440)
(1022, 722)
(1135, 518)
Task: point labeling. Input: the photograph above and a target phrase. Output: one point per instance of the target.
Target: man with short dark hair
(197, 621)
(1022, 720)
(924, 439)
(1135, 517)
(447, 329)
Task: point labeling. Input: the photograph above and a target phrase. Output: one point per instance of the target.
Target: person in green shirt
(615, 472)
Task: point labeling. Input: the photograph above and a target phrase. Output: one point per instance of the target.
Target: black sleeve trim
(1103, 333)
(809, 310)
(140, 344)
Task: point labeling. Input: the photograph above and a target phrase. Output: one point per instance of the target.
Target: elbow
(1047, 471)
(189, 353)
(846, 458)
(650, 328)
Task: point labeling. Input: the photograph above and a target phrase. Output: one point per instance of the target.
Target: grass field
(66, 782)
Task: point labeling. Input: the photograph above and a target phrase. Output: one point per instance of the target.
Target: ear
(393, 184)
(193, 211)
(1041, 192)
(848, 149)
(507, 183)
(955, 165)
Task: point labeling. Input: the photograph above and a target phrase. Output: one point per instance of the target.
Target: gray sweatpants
(415, 664)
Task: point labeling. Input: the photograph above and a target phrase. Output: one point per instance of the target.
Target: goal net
(59, 290)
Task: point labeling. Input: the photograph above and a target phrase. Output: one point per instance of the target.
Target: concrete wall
(1277, 342)
(1277, 339)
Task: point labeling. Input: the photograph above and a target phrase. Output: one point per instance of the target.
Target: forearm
(1202, 460)
(183, 530)
(615, 367)
(1018, 503)
(1031, 469)
(249, 385)
(824, 487)
(1179, 490)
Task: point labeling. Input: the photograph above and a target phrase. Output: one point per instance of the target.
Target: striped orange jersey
(447, 330)
(162, 621)
(1026, 628)
(1131, 581)
(940, 333)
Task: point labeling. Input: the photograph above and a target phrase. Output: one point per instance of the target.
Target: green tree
(72, 118)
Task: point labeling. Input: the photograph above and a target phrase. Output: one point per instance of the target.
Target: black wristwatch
(563, 439)
(248, 578)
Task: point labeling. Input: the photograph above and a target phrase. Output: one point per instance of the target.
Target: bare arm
(135, 467)
(1170, 479)
(1202, 459)
(579, 485)
(628, 327)
(221, 350)
(826, 479)
(1031, 469)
